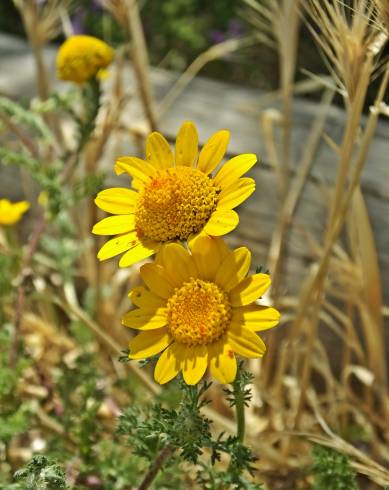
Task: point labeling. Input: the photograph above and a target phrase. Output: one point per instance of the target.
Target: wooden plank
(213, 105)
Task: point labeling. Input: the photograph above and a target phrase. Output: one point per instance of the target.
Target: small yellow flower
(175, 197)
(81, 58)
(11, 213)
(199, 309)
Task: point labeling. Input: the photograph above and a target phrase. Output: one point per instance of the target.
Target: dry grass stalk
(215, 52)
(126, 13)
(308, 307)
(360, 461)
(351, 44)
(295, 191)
(279, 237)
(276, 24)
(383, 13)
(340, 292)
(369, 301)
(347, 37)
(42, 22)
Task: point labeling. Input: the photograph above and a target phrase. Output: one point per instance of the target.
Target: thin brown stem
(20, 292)
(159, 461)
(23, 138)
(141, 62)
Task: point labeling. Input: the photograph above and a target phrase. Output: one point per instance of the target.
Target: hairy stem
(239, 408)
(157, 464)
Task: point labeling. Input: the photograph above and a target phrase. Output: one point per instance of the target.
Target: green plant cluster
(40, 473)
(51, 174)
(15, 417)
(332, 470)
(188, 433)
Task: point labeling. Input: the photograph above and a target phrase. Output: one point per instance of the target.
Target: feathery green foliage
(332, 470)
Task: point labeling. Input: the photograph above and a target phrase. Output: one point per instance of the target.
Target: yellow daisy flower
(11, 213)
(199, 309)
(81, 58)
(174, 197)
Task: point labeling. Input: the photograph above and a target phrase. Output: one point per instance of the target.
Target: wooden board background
(213, 105)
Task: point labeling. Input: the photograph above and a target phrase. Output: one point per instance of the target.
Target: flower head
(81, 58)
(11, 213)
(173, 197)
(199, 309)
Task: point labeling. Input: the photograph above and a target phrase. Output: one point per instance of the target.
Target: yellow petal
(20, 207)
(141, 250)
(168, 365)
(117, 245)
(117, 200)
(137, 184)
(11, 213)
(145, 319)
(187, 145)
(115, 225)
(158, 258)
(234, 168)
(234, 268)
(245, 342)
(193, 237)
(220, 250)
(250, 289)
(221, 222)
(255, 317)
(147, 344)
(233, 195)
(213, 151)
(222, 362)
(137, 168)
(156, 280)
(207, 255)
(178, 263)
(194, 363)
(158, 151)
(221, 247)
(142, 297)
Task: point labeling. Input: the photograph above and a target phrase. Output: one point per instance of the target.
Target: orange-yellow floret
(198, 313)
(176, 203)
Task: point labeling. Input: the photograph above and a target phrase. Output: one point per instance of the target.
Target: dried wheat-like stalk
(352, 44)
(126, 12)
(348, 38)
(42, 22)
(276, 24)
(383, 13)
(215, 52)
(312, 297)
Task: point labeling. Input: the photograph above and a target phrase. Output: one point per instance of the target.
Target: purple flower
(235, 28)
(217, 37)
(78, 22)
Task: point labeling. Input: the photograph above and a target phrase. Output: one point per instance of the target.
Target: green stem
(91, 98)
(239, 407)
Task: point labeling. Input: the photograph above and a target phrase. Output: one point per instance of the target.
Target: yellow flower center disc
(198, 313)
(177, 202)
